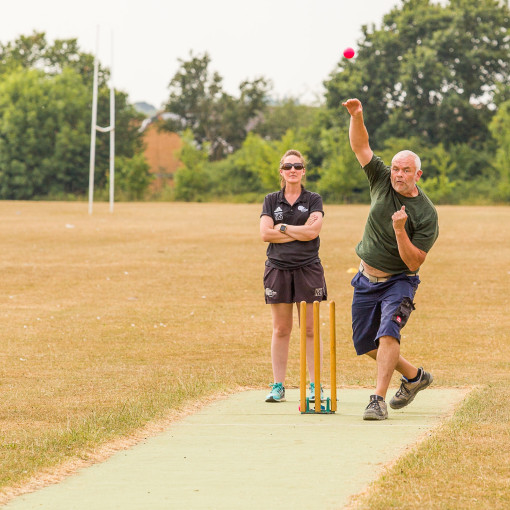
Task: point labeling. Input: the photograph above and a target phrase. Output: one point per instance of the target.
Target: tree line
(45, 120)
(433, 78)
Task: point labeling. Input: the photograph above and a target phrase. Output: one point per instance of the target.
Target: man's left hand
(399, 219)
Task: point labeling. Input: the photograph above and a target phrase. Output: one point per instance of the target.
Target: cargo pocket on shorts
(403, 312)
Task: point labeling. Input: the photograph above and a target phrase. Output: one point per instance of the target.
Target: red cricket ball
(348, 53)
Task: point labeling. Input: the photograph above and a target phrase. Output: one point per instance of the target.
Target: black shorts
(305, 283)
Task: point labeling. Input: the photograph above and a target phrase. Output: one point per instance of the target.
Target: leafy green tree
(431, 70)
(44, 140)
(132, 176)
(238, 114)
(312, 134)
(342, 179)
(441, 164)
(472, 163)
(253, 168)
(280, 117)
(500, 129)
(199, 103)
(34, 77)
(34, 52)
(192, 182)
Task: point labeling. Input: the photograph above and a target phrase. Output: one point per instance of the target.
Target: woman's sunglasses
(288, 166)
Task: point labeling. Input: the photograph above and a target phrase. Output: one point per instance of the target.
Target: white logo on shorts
(318, 292)
(271, 292)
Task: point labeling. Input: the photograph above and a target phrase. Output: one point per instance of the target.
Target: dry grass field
(114, 321)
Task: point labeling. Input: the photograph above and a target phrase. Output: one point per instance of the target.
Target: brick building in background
(160, 153)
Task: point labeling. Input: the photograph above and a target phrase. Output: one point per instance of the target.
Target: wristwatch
(283, 228)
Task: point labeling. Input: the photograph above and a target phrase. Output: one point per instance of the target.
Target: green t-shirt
(378, 247)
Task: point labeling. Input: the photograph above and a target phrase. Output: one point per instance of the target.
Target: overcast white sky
(294, 43)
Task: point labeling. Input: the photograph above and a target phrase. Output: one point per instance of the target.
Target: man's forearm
(358, 134)
(412, 256)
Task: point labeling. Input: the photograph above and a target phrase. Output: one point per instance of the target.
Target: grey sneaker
(277, 393)
(407, 391)
(376, 410)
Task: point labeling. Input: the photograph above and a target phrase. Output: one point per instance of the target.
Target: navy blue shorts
(380, 309)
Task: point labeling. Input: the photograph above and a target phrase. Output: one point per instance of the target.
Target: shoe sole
(274, 400)
(401, 406)
(374, 417)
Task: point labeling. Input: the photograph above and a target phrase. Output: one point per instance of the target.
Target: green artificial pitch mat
(241, 452)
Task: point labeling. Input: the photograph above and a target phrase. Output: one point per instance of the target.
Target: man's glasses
(288, 166)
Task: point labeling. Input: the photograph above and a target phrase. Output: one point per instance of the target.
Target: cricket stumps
(330, 402)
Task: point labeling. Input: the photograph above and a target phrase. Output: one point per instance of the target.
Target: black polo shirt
(296, 253)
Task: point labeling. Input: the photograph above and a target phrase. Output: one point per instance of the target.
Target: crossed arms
(270, 233)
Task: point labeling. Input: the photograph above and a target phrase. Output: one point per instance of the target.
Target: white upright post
(112, 135)
(93, 128)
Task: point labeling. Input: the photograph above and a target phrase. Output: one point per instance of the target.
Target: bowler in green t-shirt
(401, 228)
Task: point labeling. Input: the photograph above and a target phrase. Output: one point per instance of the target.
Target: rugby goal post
(109, 129)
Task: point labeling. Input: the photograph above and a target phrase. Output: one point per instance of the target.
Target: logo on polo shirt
(302, 208)
(278, 214)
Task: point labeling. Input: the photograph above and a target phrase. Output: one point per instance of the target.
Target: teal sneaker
(277, 393)
(312, 393)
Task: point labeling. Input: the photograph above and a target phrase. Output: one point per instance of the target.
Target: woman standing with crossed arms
(290, 222)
